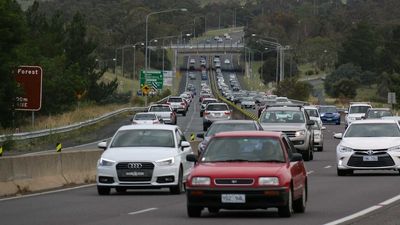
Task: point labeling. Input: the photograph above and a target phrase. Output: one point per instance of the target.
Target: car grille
(384, 160)
(132, 172)
(290, 133)
(234, 181)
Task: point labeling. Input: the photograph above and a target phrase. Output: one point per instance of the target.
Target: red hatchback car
(247, 170)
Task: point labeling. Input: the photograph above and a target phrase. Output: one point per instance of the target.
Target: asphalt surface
(330, 197)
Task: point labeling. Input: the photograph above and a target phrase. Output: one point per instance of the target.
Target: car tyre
(193, 211)
(103, 190)
(320, 149)
(120, 190)
(180, 187)
(287, 210)
(184, 113)
(306, 155)
(344, 172)
(205, 127)
(299, 205)
(213, 210)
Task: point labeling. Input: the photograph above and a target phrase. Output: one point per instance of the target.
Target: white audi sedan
(144, 156)
(369, 145)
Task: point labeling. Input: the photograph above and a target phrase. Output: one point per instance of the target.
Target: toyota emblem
(370, 152)
(135, 165)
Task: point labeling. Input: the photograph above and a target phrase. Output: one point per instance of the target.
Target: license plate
(217, 114)
(233, 198)
(370, 158)
(329, 119)
(135, 174)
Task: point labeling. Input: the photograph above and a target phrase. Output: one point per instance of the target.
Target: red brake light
(183, 103)
(227, 113)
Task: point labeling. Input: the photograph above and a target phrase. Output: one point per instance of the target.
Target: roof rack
(284, 105)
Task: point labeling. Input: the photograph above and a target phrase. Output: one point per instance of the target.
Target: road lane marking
(365, 211)
(310, 172)
(327, 167)
(142, 211)
(47, 192)
(192, 117)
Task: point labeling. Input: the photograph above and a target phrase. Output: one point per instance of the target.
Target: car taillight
(227, 113)
(206, 113)
(183, 103)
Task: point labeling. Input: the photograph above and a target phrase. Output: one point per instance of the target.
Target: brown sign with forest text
(29, 79)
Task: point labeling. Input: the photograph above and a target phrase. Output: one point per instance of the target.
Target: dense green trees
(294, 89)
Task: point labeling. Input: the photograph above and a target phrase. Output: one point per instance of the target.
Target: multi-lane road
(330, 197)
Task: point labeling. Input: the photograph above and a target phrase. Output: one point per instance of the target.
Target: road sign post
(29, 79)
(153, 79)
(392, 99)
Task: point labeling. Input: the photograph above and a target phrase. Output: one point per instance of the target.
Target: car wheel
(287, 210)
(193, 211)
(184, 114)
(103, 190)
(344, 172)
(306, 155)
(320, 149)
(299, 205)
(205, 127)
(179, 188)
(120, 189)
(213, 209)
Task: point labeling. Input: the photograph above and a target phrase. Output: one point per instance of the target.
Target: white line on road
(142, 211)
(327, 167)
(365, 211)
(310, 172)
(46, 193)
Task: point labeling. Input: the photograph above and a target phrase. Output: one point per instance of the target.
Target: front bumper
(255, 198)
(330, 120)
(301, 143)
(356, 161)
(161, 176)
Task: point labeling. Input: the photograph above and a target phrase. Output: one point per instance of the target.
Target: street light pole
(147, 28)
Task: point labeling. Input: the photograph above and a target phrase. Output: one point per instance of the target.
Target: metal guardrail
(58, 130)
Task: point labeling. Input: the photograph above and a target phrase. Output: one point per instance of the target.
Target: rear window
(159, 109)
(145, 117)
(175, 100)
(217, 108)
(208, 101)
(217, 128)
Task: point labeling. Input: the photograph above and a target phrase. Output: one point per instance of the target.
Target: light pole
(134, 57)
(155, 41)
(147, 21)
(279, 54)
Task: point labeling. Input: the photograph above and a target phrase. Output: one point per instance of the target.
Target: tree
(12, 29)
(345, 88)
(345, 71)
(360, 47)
(294, 89)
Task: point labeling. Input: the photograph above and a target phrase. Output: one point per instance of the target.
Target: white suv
(356, 111)
(144, 156)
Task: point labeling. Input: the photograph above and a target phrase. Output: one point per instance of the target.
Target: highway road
(330, 197)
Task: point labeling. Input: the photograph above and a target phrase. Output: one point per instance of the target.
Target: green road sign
(153, 79)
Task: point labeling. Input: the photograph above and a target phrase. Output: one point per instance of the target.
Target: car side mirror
(200, 135)
(184, 144)
(338, 136)
(191, 158)
(323, 128)
(310, 122)
(102, 145)
(363, 117)
(296, 157)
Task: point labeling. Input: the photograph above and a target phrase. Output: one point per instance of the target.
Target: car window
(312, 112)
(373, 130)
(243, 149)
(217, 108)
(145, 117)
(159, 109)
(217, 128)
(143, 138)
(282, 116)
(178, 137)
(327, 109)
(378, 113)
(175, 100)
(288, 145)
(359, 109)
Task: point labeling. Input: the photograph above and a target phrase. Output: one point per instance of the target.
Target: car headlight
(105, 162)
(201, 181)
(344, 149)
(166, 162)
(394, 149)
(300, 133)
(268, 181)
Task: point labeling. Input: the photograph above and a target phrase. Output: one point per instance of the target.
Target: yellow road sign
(1, 150)
(192, 137)
(58, 147)
(145, 89)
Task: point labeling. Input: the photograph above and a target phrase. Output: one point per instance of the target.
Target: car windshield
(312, 112)
(143, 138)
(145, 116)
(217, 108)
(282, 117)
(329, 109)
(378, 113)
(237, 149)
(359, 109)
(159, 108)
(373, 130)
(216, 128)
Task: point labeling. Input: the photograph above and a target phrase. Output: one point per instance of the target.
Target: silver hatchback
(215, 112)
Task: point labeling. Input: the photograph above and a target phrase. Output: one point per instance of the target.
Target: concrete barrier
(21, 174)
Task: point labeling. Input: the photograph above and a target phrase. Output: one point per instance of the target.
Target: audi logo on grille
(135, 165)
(234, 181)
